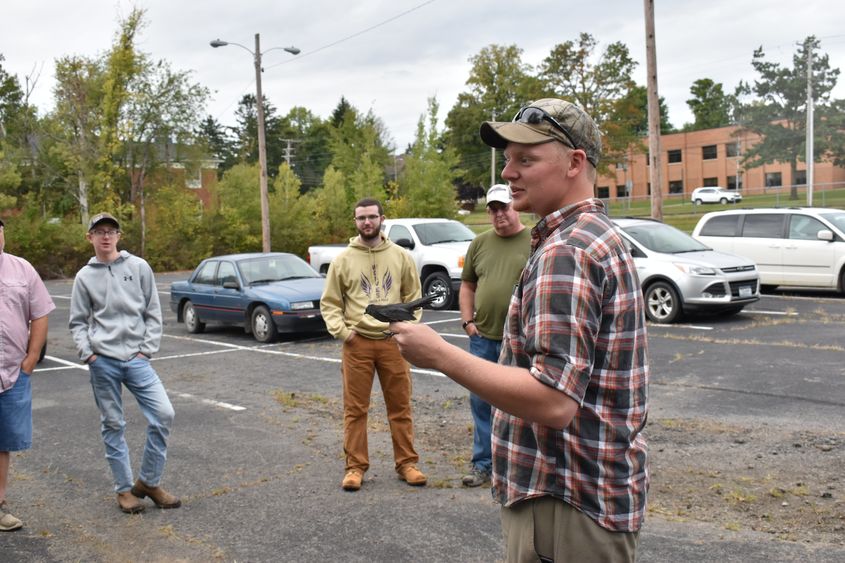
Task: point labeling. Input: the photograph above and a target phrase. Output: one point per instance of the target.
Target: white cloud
(396, 66)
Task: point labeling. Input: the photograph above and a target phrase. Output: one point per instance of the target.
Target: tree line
(126, 131)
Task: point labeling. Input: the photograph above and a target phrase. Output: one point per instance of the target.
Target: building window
(773, 180)
(193, 179)
(621, 190)
(603, 192)
(674, 156)
(648, 188)
(676, 186)
(708, 152)
(800, 177)
(710, 182)
(731, 149)
(733, 184)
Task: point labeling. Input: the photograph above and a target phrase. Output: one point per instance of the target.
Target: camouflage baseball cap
(102, 218)
(548, 119)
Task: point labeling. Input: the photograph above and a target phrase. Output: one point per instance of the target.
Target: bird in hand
(399, 311)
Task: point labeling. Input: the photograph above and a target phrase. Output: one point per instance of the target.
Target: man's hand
(419, 344)
(29, 362)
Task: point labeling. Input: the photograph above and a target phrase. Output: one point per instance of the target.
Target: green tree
(778, 114)
(428, 180)
(310, 149)
(332, 210)
(597, 82)
(291, 214)
(709, 104)
(236, 220)
(178, 236)
(499, 84)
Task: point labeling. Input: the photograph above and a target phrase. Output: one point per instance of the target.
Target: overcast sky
(392, 55)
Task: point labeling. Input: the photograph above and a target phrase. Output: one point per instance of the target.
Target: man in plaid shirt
(570, 391)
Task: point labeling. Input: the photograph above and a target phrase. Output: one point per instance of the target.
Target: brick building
(711, 157)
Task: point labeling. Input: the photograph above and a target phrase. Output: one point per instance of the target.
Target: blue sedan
(267, 294)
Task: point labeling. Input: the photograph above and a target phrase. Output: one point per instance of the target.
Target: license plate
(745, 291)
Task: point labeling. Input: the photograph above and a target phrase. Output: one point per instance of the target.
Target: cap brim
(498, 134)
(105, 220)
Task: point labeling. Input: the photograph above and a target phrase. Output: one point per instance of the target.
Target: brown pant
(548, 529)
(362, 357)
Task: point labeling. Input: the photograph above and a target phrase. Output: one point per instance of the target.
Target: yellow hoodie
(361, 275)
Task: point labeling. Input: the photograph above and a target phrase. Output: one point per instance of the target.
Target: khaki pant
(547, 529)
(362, 358)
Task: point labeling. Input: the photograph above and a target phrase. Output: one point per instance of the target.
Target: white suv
(715, 195)
(797, 246)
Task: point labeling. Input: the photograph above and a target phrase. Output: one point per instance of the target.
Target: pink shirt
(23, 298)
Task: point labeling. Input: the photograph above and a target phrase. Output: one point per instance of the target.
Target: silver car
(680, 275)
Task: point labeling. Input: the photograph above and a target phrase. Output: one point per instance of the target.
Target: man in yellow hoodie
(372, 270)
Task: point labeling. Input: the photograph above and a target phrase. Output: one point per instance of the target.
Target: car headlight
(300, 305)
(695, 269)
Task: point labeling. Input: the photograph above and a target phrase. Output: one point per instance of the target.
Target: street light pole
(262, 153)
(262, 143)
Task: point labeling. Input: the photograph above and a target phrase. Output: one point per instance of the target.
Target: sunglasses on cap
(534, 116)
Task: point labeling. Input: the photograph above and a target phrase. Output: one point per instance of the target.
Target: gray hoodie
(114, 309)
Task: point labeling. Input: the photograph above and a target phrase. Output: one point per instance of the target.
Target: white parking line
(283, 353)
(444, 321)
(760, 312)
(211, 402)
(679, 325)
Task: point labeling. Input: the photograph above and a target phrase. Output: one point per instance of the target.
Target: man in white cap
(493, 263)
(571, 388)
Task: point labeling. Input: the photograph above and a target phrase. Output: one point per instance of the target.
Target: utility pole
(262, 153)
(492, 155)
(289, 149)
(809, 158)
(655, 173)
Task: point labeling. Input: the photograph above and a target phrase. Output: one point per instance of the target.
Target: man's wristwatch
(465, 324)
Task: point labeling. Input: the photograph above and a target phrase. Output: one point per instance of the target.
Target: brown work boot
(411, 475)
(8, 522)
(352, 480)
(128, 503)
(159, 496)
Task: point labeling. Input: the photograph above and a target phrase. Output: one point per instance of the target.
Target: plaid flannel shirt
(577, 322)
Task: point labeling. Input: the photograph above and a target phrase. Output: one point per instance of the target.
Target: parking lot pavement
(256, 447)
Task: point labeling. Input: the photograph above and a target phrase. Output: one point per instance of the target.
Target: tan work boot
(352, 480)
(411, 475)
(128, 503)
(159, 496)
(8, 522)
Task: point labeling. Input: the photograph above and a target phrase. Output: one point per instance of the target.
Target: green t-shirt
(494, 263)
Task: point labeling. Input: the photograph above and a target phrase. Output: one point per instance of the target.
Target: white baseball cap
(500, 193)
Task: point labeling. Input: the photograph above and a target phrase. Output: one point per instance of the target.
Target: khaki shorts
(548, 529)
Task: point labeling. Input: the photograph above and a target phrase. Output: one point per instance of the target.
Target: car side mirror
(231, 285)
(825, 234)
(405, 243)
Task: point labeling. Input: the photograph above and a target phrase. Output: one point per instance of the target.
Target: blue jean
(482, 449)
(16, 415)
(108, 375)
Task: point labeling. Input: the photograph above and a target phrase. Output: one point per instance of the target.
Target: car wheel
(438, 282)
(841, 284)
(192, 320)
(696, 202)
(662, 303)
(723, 201)
(263, 327)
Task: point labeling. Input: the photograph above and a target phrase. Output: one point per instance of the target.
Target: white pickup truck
(438, 247)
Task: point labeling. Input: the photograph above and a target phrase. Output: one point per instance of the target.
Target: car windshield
(837, 218)
(443, 231)
(663, 238)
(275, 268)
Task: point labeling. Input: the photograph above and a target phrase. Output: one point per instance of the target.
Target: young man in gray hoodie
(115, 318)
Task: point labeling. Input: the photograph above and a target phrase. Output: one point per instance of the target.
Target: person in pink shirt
(24, 306)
